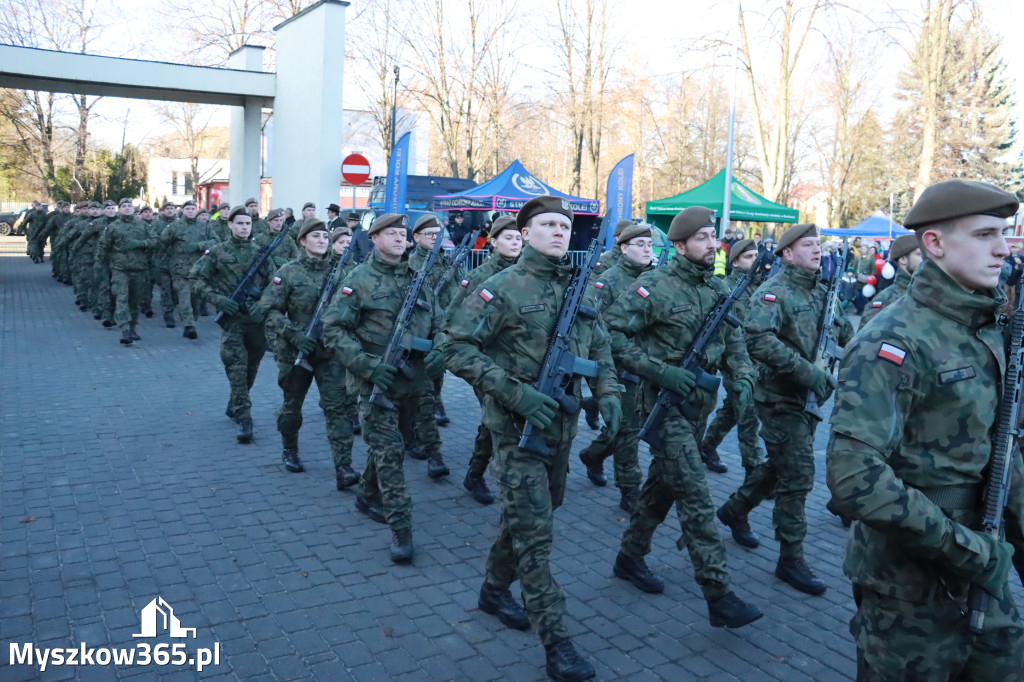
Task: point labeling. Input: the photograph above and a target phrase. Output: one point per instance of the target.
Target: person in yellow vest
(721, 258)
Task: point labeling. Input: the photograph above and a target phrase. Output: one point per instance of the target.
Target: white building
(171, 179)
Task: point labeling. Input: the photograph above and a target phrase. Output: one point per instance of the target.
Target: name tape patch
(892, 353)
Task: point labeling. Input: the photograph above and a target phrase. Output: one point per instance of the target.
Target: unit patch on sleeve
(892, 353)
(486, 295)
(644, 293)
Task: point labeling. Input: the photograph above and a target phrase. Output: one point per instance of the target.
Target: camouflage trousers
(676, 477)
(623, 446)
(83, 276)
(104, 301)
(417, 425)
(788, 434)
(531, 487)
(128, 287)
(901, 641)
(751, 451)
(161, 278)
(59, 258)
(483, 444)
(35, 247)
(188, 302)
(335, 401)
(242, 346)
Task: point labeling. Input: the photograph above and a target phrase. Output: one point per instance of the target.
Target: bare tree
(190, 122)
(214, 29)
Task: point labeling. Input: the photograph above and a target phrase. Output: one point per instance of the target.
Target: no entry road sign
(355, 169)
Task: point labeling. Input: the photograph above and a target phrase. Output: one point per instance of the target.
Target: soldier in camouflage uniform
(103, 274)
(34, 221)
(127, 243)
(259, 225)
(357, 327)
(184, 242)
(59, 244)
(69, 240)
(290, 301)
(494, 341)
(634, 245)
(782, 326)
(52, 229)
(287, 250)
(242, 341)
(652, 325)
(906, 252)
(84, 255)
(160, 266)
(741, 258)
(506, 244)
(341, 238)
(912, 437)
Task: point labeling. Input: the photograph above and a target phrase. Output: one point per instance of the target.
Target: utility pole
(394, 105)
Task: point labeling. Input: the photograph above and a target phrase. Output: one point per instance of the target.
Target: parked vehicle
(13, 223)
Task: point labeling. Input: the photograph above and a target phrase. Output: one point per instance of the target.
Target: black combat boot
(797, 573)
(290, 457)
(372, 507)
(97, 314)
(346, 476)
(190, 332)
(244, 430)
(630, 496)
(711, 460)
(135, 335)
(591, 413)
(637, 572)
(731, 612)
(169, 320)
(564, 663)
(401, 546)
(126, 338)
(740, 527)
(440, 417)
(502, 604)
(356, 428)
(230, 414)
(416, 452)
(843, 518)
(108, 319)
(595, 469)
(478, 487)
(436, 468)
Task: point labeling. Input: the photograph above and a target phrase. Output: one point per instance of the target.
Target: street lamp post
(394, 104)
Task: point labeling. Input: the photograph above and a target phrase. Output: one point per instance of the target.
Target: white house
(171, 179)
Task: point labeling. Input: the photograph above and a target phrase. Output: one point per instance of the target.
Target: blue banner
(398, 172)
(619, 198)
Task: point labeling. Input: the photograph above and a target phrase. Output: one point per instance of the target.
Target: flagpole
(727, 199)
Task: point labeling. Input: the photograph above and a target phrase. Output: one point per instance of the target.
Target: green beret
(109, 202)
(222, 207)
(543, 204)
(505, 222)
(188, 203)
(629, 233)
(952, 199)
(901, 246)
(425, 221)
(251, 200)
(310, 225)
(794, 233)
(274, 214)
(388, 220)
(622, 225)
(340, 231)
(237, 211)
(741, 247)
(688, 221)
(308, 204)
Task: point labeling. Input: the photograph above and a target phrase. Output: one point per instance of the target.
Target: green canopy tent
(745, 204)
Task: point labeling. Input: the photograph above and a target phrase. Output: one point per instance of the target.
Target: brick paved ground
(122, 481)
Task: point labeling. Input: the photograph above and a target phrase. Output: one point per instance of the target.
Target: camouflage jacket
(478, 276)
(497, 338)
(88, 237)
(739, 308)
(125, 244)
(918, 395)
(53, 225)
(260, 225)
(221, 229)
(286, 251)
(607, 285)
(349, 267)
(444, 297)
(886, 296)
(184, 241)
(608, 260)
(69, 233)
(781, 324)
(223, 266)
(160, 257)
(654, 322)
(34, 221)
(362, 315)
(291, 299)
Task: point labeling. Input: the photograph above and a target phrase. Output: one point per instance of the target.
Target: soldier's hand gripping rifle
(315, 328)
(402, 343)
(1001, 467)
(460, 255)
(245, 290)
(667, 400)
(561, 365)
(826, 353)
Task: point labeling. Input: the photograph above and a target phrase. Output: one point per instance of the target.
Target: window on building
(174, 182)
(188, 183)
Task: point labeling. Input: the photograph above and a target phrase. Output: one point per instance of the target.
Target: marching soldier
(907, 255)
(494, 341)
(341, 237)
(287, 250)
(242, 341)
(58, 219)
(184, 242)
(259, 225)
(357, 327)
(220, 223)
(75, 258)
(290, 302)
(126, 244)
(161, 266)
(635, 249)
(782, 328)
(652, 325)
(911, 445)
(85, 256)
(59, 244)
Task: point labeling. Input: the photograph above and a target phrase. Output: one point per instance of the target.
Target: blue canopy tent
(509, 191)
(878, 226)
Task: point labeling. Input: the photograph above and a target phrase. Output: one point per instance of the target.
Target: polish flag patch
(876, 304)
(206, 252)
(770, 298)
(464, 282)
(892, 353)
(277, 280)
(347, 291)
(599, 285)
(486, 295)
(644, 293)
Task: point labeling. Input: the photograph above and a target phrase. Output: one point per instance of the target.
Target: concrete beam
(244, 174)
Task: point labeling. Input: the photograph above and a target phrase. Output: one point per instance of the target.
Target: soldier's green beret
(308, 204)
(543, 204)
(222, 207)
(952, 199)
(429, 220)
(274, 214)
(388, 220)
(791, 235)
(741, 247)
(168, 204)
(688, 221)
(633, 232)
(622, 225)
(109, 202)
(145, 208)
(123, 200)
(340, 231)
(505, 222)
(251, 200)
(188, 203)
(203, 210)
(310, 225)
(901, 246)
(237, 211)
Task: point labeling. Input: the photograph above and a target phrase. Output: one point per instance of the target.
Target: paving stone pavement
(121, 481)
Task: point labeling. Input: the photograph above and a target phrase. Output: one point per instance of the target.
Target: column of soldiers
(911, 431)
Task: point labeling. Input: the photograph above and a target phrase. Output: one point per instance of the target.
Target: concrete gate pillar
(307, 106)
(244, 172)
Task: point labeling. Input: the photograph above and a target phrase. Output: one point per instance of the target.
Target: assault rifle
(402, 343)
(460, 254)
(245, 291)
(561, 365)
(826, 352)
(998, 488)
(691, 361)
(315, 328)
